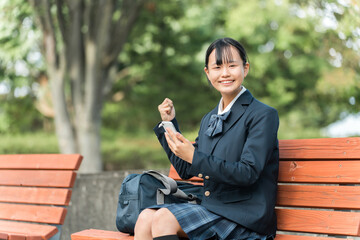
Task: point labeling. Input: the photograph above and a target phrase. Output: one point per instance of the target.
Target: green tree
(165, 58)
(291, 49)
(81, 41)
(19, 68)
(296, 65)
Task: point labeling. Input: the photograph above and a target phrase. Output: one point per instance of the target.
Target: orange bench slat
(345, 172)
(15, 236)
(41, 161)
(95, 234)
(344, 197)
(315, 221)
(297, 237)
(50, 196)
(19, 236)
(32, 213)
(308, 171)
(320, 148)
(320, 171)
(3, 236)
(38, 178)
(32, 231)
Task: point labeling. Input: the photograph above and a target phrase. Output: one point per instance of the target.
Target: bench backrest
(318, 190)
(36, 188)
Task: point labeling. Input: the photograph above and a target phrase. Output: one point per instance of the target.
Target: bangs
(223, 54)
(224, 48)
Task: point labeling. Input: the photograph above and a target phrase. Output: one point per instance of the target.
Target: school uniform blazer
(239, 166)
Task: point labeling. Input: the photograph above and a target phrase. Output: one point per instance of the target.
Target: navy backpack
(139, 191)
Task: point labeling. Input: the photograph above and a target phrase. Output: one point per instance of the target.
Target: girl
(236, 153)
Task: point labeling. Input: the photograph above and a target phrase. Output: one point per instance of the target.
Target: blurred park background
(87, 76)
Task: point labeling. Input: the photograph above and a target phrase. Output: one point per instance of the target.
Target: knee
(163, 215)
(144, 221)
(164, 222)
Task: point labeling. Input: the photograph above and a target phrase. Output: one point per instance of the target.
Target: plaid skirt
(200, 224)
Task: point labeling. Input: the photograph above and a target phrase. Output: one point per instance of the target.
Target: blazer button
(207, 177)
(200, 175)
(207, 193)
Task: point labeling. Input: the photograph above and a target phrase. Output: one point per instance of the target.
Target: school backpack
(139, 191)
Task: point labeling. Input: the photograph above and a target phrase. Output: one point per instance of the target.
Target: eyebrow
(231, 61)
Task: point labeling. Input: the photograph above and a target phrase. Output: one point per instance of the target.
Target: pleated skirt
(201, 224)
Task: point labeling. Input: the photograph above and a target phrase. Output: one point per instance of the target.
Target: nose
(225, 71)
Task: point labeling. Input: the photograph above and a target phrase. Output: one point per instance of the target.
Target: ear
(246, 69)
(206, 70)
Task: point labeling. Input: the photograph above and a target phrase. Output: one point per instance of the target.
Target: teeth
(226, 81)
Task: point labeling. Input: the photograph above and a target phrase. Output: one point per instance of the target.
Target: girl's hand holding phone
(180, 146)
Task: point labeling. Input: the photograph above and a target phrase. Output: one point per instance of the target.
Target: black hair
(223, 52)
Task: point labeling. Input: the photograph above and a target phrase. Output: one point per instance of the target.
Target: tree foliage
(165, 58)
(304, 57)
(293, 60)
(20, 64)
(304, 60)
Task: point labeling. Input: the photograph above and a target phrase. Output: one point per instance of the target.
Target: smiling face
(227, 74)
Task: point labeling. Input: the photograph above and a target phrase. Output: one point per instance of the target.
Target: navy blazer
(239, 166)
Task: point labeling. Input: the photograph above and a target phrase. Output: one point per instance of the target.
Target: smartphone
(167, 124)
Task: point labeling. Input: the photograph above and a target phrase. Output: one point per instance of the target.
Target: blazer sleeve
(258, 149)
(181, 166)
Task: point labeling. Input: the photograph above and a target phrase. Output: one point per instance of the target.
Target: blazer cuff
(195, 167)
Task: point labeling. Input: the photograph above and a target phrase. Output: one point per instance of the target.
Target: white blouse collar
(228, 107)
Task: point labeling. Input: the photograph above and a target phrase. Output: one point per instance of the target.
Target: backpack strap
(170, 188)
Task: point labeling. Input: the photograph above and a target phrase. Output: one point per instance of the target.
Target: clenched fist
(167, 110)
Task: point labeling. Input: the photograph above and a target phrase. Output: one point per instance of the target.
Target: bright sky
(349, 126)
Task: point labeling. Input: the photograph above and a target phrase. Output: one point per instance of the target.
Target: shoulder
(254, 105)
(258, 106)
(262, 117)
(261, 111)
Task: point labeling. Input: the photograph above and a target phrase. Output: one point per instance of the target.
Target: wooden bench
(34, 192)
(318, 191)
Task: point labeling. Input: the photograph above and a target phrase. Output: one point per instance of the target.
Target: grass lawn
(120, 151)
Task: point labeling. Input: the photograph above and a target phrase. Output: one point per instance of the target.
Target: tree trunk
(89, 145)
(64, 129)
(56, 70)
(82, 41)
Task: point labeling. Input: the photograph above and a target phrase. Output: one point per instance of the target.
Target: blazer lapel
(237, 110)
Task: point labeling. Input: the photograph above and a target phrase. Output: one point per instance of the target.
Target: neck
(226, 102)
(227, 98)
